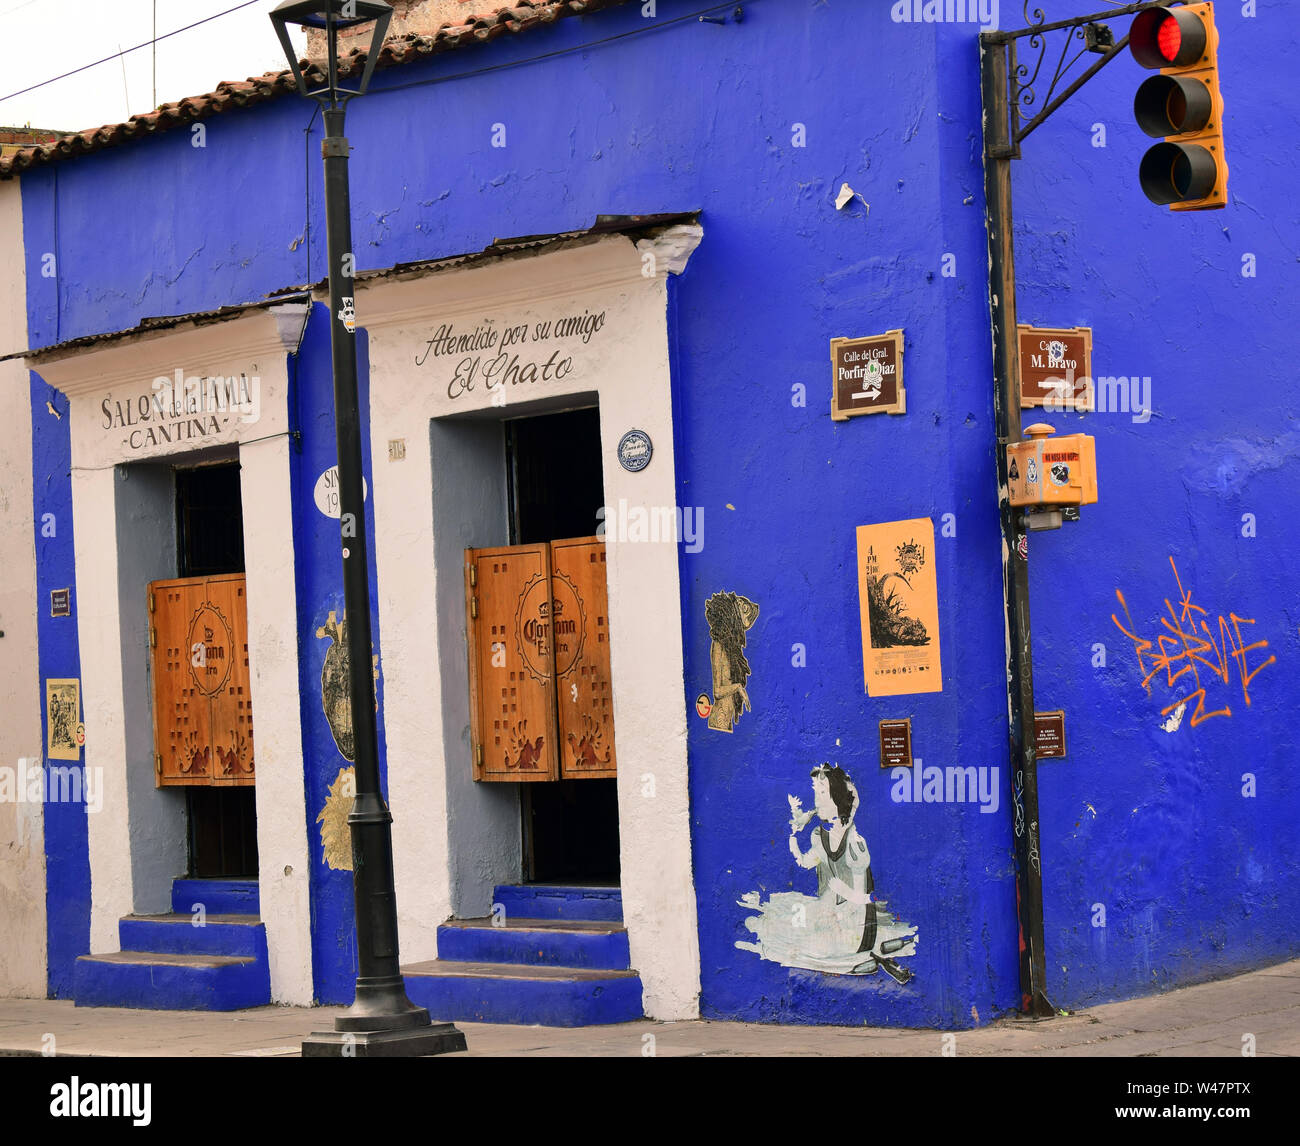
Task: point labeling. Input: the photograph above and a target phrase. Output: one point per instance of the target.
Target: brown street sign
(896, 743)
(1056, 364)
(867, 376)
(1049, 735)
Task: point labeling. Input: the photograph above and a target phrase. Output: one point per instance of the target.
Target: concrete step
(177, 934)
(161, 981)
(535, 942)
(542, 996)
(218, 896)
(560, 901)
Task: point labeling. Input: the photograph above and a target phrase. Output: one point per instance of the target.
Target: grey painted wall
(146, 547)
(469, 510)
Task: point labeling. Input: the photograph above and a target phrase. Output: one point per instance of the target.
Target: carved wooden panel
(584, 688)
(512, 687)
(202, 712)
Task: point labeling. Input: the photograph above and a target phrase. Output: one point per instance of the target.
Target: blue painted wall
(67, 854)
(319, 572)
(1197, 880)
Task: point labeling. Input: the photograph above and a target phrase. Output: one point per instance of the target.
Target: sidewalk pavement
(1210, 1020)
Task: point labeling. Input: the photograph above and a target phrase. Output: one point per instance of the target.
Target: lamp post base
(413, 1042)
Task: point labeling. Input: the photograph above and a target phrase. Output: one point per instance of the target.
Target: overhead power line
(136, 48)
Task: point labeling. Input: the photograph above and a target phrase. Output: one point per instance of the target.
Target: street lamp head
(332, 16)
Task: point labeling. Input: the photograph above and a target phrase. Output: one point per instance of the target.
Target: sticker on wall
(60, 602)
(348, 314)
(729, 617)
(844, 929)
(335, 835)
(898, 597)
(326, 492)
(703, 705)
(63, 719)
(335, 685)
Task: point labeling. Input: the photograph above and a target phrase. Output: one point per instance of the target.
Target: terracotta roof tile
(230, 94)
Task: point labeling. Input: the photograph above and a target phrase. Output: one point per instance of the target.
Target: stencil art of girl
(844, 929)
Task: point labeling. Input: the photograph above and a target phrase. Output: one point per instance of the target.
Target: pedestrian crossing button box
(1043, 470)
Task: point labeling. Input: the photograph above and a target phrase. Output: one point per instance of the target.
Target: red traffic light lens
(1161, 38)
(1172, 105)
(1177, 173)
(1169, 39)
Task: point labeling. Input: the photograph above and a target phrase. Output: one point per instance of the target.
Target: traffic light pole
(1007, 91)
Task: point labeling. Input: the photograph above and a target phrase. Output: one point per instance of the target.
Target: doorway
(222, 820)
(555, 489)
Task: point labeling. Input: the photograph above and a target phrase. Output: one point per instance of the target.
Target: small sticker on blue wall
(844, 929)
(635, 449)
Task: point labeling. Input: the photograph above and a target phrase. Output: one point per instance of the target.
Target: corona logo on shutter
(1182, 107)
(211, 649)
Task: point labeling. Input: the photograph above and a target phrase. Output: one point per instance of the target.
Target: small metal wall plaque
(60, 602)
(635, 449)
(1049, 735)
(896, 743)
(1056, 364)
(867, 376)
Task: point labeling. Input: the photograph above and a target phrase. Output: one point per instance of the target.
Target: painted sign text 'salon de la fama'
(181, 412)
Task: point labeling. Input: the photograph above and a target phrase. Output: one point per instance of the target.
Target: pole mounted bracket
(1026, 109)
(334, 147)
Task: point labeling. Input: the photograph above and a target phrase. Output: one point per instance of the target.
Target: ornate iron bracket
(1083, 34)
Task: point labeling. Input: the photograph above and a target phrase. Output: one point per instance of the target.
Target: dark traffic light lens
(1177, 172)
(1160, 38)
(1172, 105)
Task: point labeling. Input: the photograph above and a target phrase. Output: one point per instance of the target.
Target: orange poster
(898, 595)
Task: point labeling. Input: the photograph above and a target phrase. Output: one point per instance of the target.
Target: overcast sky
(41, 39)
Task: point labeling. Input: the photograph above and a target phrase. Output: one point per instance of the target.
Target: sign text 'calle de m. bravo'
(867, 376)
(1056, 364)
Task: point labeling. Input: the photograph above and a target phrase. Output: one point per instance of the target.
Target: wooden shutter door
(230, 697)
(202, 711)
(584, 688)
(512, 687)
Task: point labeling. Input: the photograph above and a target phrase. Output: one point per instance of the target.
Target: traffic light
(1181, 107)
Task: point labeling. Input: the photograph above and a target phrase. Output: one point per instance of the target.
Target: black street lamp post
(382, 1021)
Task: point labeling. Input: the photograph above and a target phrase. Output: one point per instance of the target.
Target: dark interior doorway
(210, 541)
(556, 488)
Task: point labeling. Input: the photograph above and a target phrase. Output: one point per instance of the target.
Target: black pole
(382, 1021)
(998, 153)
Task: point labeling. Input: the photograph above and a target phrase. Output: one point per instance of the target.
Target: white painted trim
(23, 954)
(283, 856)
(94, 512)
(251, 344)
(628, 370)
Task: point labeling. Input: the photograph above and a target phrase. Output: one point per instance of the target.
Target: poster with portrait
(63, 719)
(898, 596)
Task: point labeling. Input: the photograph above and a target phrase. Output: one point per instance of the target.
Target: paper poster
(898, 597)
(63, 720)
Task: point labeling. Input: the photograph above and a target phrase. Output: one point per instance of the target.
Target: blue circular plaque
(635, 449)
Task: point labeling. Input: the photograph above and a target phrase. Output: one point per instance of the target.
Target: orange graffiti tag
(1181, 650)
